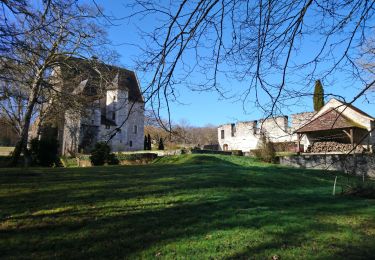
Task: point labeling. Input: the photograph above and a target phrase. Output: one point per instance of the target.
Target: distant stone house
(336, 122)
(338, 127)
(114, 108)
(246, 136)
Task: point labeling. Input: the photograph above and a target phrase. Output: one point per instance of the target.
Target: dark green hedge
(136, 156)
(196, 151)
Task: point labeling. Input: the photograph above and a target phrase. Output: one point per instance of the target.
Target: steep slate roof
(331, 119)
(99, 77)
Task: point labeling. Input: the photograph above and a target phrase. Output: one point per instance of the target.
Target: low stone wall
(354, 163)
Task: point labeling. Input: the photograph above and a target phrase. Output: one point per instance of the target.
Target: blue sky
(201, 108)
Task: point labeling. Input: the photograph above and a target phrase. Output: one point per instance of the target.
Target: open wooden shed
(339, 123)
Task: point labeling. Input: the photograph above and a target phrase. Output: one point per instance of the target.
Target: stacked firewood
(331, 146)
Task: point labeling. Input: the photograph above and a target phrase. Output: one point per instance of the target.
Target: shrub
(68, 162)
(161, 144)
(136, 158)
(266, 150)
(237, 152)
(199, 151)
(44, 152)
(101, 154)
(112, 159)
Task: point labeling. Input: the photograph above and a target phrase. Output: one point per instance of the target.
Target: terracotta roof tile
(327, 121)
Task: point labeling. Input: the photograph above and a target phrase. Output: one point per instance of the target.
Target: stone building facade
(338, 123)
(114, 109)
(335, 123)
(245, 136)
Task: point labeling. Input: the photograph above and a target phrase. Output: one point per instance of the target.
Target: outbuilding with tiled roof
(340, 123)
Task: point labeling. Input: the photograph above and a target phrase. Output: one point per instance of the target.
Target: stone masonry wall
(136, 120)
(276, 128)
(243, 137)
(356, 164)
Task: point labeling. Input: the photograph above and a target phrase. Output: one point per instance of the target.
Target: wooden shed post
(298, 143)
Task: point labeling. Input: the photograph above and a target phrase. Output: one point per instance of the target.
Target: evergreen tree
(318, 95)
(145, 143)
(161, 144)
(149, 142)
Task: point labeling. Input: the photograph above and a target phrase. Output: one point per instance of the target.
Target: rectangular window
(233, 130)
(113, 115)
(135, 129)
(222, 134)
(131, 143)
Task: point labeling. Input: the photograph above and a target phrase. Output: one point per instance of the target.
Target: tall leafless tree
(276, 48)
(35, 39)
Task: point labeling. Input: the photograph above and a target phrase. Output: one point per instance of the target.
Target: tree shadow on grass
(127, 233)
(284, 209)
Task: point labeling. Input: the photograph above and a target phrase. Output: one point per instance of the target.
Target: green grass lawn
(191, 207)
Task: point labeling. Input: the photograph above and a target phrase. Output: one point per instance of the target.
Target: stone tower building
(113, 108)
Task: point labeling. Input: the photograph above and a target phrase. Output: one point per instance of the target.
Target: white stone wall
(126, 139)
(299, 120)
(71, 134)
(136, 119)
(116, 102)
(244, 138)
(276, 129)
(247, 134)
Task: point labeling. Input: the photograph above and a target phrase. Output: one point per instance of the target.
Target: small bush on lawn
(266, 150)
(43, 152)
(68, 162)
(237, 152)
(161, 144)
(141, 157)
(101, 154)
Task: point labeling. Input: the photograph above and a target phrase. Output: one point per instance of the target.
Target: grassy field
(187, 207)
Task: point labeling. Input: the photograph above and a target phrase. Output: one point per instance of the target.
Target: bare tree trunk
(21, 145)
